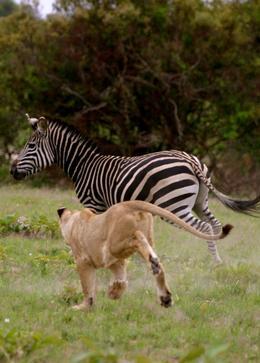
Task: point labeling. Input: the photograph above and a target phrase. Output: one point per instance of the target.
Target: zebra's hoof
(218, 262)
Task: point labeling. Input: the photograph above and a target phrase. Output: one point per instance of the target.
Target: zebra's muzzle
(18, 175)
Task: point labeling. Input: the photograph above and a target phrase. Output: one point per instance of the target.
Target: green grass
(215, 318)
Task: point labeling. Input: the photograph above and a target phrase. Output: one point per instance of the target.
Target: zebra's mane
(73, 131)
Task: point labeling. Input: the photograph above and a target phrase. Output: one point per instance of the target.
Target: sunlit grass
(215, 317)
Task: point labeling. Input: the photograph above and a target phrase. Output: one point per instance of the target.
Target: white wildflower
(21, 220)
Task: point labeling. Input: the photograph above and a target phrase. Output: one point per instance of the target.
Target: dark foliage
(136, 76)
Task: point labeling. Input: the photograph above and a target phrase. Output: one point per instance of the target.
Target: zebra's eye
(31, 145)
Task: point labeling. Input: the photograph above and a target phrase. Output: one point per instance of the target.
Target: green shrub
(4, 173)
(2, 253)
(70, 296)
(38, 225)
(43, 262)
(16, 343)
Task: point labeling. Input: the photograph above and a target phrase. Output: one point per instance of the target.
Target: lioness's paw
(82, 307)
(116, 289)
(166, 301)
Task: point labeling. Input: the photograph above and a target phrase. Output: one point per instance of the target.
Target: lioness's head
(68, 218)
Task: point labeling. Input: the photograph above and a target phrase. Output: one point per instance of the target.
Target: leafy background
(138, 76)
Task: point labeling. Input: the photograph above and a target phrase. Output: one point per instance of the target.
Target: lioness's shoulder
(86, 214)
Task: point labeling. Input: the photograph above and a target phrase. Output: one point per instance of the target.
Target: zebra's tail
(250, 207)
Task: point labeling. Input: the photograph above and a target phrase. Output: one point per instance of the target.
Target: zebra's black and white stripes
(171, 179)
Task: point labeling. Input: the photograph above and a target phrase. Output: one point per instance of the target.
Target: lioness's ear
(60, 211)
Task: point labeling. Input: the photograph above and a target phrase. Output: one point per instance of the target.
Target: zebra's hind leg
(212, 247)
(201, 208)
(204, 226)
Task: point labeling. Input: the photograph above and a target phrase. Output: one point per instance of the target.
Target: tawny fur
(108, 239)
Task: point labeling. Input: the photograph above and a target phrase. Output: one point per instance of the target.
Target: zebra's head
(37, 153)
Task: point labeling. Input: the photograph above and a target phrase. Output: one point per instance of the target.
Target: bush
(36, 226)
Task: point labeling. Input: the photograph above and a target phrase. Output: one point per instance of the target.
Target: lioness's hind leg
(118, 283)
(145, 249)
(155, 265)
(147, 252)
(164, 293)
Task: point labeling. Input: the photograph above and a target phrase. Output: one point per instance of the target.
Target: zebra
(171, 179)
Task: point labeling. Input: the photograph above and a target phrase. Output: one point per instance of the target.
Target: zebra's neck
(72, 150)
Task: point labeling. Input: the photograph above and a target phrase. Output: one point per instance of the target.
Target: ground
(215, 317)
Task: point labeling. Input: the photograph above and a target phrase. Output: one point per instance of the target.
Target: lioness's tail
(139, 205)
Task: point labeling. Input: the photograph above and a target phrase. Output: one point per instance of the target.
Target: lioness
(108, 239)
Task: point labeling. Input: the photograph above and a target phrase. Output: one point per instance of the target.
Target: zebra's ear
(32, 121)
(42, 124)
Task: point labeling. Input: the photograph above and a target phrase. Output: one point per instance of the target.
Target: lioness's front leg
(119, 281)
(87, 274)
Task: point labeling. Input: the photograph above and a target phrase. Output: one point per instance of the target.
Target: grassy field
(215, 318)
